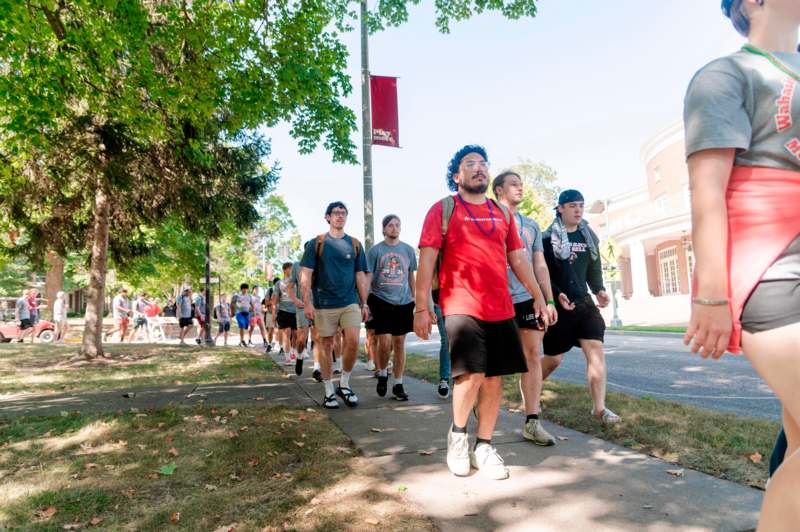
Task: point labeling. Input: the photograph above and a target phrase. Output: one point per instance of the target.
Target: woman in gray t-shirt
(743, 152)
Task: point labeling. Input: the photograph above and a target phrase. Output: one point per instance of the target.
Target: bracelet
(551, 302)
(420, 311)
(710, 302)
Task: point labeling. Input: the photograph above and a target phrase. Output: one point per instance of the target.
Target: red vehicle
(44, 331)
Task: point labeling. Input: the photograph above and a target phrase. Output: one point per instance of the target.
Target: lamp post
(366, 127)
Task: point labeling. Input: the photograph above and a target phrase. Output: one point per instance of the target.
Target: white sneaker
(458, 455)
(370, 365)
(488, 462)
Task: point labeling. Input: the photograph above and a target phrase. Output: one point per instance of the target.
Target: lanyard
(475, 221)
(772, 59)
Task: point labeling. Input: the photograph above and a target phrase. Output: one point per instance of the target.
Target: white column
(639, 270)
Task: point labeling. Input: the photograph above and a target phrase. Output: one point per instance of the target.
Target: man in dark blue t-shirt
(334, 270)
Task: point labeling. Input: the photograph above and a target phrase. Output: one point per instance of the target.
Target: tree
(118, 114)
(540, 191)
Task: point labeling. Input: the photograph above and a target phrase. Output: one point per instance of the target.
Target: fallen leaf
(309, 409)
(48, 513)
(373, 429)
(214, 411)
(234, 476)
(402, 488)
(134, 410)
(756, 458)
(173, 451)
(211, 487)
(300, 444)
(130, 492)
(562, 438)
(424, 453)
(233, 412)
(371, 521)
(259, 398)
(177, 383)
(141, 415)
(94, 521)
(141, 447)
(254, 462)
(175, 517)
(227, 528)
(676, 472)
(647, 506)
(302, 417)
(72, 526)
(243, 429)
(168, 440)
(162, 425)
(168, 469)
(91, 465)
(231, 435)
(152, 476)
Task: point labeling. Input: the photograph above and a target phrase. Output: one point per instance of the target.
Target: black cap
(569, 195)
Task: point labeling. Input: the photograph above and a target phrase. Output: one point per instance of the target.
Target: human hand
(709, 330)
(308, 311)
(364, 313)
(565, 302)
(540, 311)
(423, 324)
(553, 313)
(603, 299)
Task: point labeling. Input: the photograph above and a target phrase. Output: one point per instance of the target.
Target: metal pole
(366, 130)
(615, 321)
(207, 326)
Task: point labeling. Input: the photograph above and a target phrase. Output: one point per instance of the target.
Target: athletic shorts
(119, 322)
(200, 320)
(269, 323)
(370, 325)
(300, 319)
(185, 322)
(25, 324)
(775, 301)
(328, 320)
(286, 320)
(525, 317)
(489, 347)
(256, 319)
(139, 322)
(584, 322)
(397, 320)
(224, 326)
(243, 319)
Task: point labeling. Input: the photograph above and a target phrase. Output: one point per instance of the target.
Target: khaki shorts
(328, 320)
(269, 322)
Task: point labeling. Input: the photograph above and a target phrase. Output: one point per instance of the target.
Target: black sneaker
(383, 384)
(347, 395)
(281, 351)
(443, 390)
(329, 401)
(242, 344)
(317, 375)
(198, 341)
(399, 393)
(298, 366)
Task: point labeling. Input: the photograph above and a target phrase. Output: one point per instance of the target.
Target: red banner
(385, 128)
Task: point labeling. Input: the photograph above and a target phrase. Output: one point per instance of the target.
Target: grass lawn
(651, 328)
(56, 368)
(723, 445)
(258, 468)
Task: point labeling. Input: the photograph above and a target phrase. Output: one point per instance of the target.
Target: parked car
(44, 331)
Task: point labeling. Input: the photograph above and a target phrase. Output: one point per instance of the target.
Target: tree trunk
(93, 328)
(54, 280)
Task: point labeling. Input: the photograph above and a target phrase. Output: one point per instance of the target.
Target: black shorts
(287, 320)
(25, 324)
(185, 322)
(489, 347)
(224, 326)
(396, 320)
(139, 322)
(525, 318)
(584, 322)
(370, 325)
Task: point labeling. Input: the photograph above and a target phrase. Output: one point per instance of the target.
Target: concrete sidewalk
(582, 483)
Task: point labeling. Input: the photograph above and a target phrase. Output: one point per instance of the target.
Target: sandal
(348, 396)
(608, 417)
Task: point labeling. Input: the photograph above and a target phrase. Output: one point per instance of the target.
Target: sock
(531, 416)
(480, 441)
(316, 366)
(398, 380)
(344, 381)
(459, 430)
(328, 387)
(383, 372)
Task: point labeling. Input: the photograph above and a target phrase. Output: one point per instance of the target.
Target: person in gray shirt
(508, 188)
(22, 314)
(184, 304)
(120, 309)
(391, 264)
(286, 319)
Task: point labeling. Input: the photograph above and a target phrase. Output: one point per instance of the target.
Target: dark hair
(276, 280)
(286, 265)
(455, 162)
(244, 285)
(388, 218)
(500, 180)
(334, 205)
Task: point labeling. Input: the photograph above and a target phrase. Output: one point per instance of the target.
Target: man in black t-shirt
(572, 252)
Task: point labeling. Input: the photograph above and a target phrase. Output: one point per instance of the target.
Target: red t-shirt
(152, 310)
(473, 279)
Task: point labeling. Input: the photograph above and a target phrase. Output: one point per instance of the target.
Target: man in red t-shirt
(481, 240)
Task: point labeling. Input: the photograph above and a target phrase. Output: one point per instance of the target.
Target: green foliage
(395, 12)
(540, 191)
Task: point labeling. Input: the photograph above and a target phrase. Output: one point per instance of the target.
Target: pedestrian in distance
(509, 189)
(286, 317)
(22, 315)
(222, 313)
(741, 116)
(302, 323)
(572, 252)
(140, 322)
(469, 241)
(60, 310)
(245, 305)
(257, 316)
(392, 264)
(335, 287)
(184, 305)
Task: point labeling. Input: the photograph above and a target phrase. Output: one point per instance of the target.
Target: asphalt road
(662, 368)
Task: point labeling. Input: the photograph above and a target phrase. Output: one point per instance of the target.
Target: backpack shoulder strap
(356, 245)
(504, 210)
(448, 206)
(320, 244)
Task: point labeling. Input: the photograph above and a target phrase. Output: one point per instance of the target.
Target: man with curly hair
(473, 240)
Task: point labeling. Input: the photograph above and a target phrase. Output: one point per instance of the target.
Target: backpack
(448, 206)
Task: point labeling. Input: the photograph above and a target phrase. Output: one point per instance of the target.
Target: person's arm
(305, 288)
(422, 292)
(553, 266)
(594, 278)
(518, 260)
(542, 274)
(362, 283)
(710, 326)
(292, 288)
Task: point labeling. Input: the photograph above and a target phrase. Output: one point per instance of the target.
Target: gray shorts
(775, 301)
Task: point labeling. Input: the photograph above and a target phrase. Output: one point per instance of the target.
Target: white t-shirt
(60, 310)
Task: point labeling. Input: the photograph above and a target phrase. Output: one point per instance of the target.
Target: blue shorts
(243, 320)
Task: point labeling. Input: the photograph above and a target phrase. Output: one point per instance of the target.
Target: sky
(580, 87)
